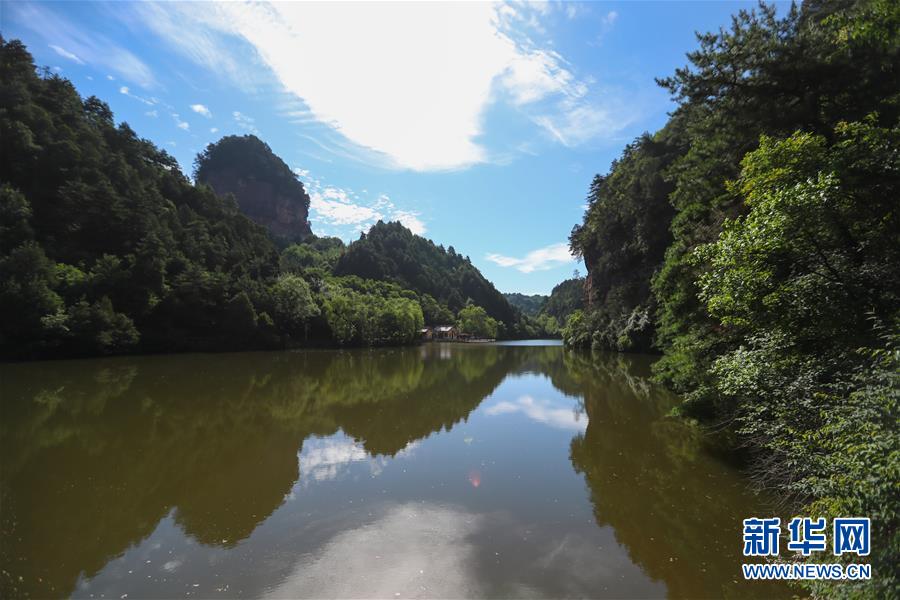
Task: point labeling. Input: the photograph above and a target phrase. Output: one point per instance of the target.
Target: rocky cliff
(266, 189)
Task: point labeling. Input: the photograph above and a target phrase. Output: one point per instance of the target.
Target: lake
(445, 470)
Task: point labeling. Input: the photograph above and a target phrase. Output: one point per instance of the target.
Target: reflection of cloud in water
(542, 411)
(411, 551)
(323, 459)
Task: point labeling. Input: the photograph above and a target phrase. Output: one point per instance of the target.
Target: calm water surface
(435, 471)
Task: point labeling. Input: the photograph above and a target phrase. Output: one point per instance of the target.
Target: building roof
(444, 328)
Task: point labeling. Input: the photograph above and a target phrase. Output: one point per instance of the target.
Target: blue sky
(477, 125)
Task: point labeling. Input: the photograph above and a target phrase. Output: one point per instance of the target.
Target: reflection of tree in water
(675, 510)
(96, 453)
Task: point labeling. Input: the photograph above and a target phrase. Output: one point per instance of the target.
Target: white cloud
(532, 76)
(410, 220)
(245, 122)
(323, 459)
(86, 45)
(578, 121)
(126, 91)
(332, 206)
(610, 18)
(214, 130)
(415, 82)
(66, 54)
(541, 259)
(201, 110)
(572, 9)
(152, 113)
(179, 123)
(542, 411)
(110, 77)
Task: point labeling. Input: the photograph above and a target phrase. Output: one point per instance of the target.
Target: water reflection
(281, 473)
(671, 504)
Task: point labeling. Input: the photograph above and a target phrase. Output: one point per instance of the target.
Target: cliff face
(283, 212)
(266, 189)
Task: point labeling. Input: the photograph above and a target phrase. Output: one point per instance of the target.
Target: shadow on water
(97, 453)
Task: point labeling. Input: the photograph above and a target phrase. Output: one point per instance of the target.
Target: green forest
(754, 241)
(551, 312)
(106, 247)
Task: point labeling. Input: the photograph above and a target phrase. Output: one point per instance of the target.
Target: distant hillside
(391, 252)
(566, 298)
(529, 305)
(266, 189)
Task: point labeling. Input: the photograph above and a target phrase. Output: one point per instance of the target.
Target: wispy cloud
(152, 113)
(245, 122)
(610, 18)
(126, 91)
(200, 109)
(421, 109)
(336, 207)
(214, 130)
(542, 259)
(85, 45)
(66, 54)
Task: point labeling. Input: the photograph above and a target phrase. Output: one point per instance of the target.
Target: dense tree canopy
(529, 305)
(106, 247)
(391, 252)
(475, 321)
(754, 242)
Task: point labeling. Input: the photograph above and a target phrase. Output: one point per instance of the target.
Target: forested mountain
(529, 305)
(266, 189)
(565, 298)
(754, 241)
(106, 247)
(548, 313)
(391, 252)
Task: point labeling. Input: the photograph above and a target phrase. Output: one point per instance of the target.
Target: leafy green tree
(474, 320)
(434, 312)
(97, 328)
(241, 319)
(293, 304)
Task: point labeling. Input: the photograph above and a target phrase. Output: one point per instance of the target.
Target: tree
(474, 320)
(293, 304)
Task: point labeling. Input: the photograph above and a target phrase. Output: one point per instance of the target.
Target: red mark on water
(475, 478)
